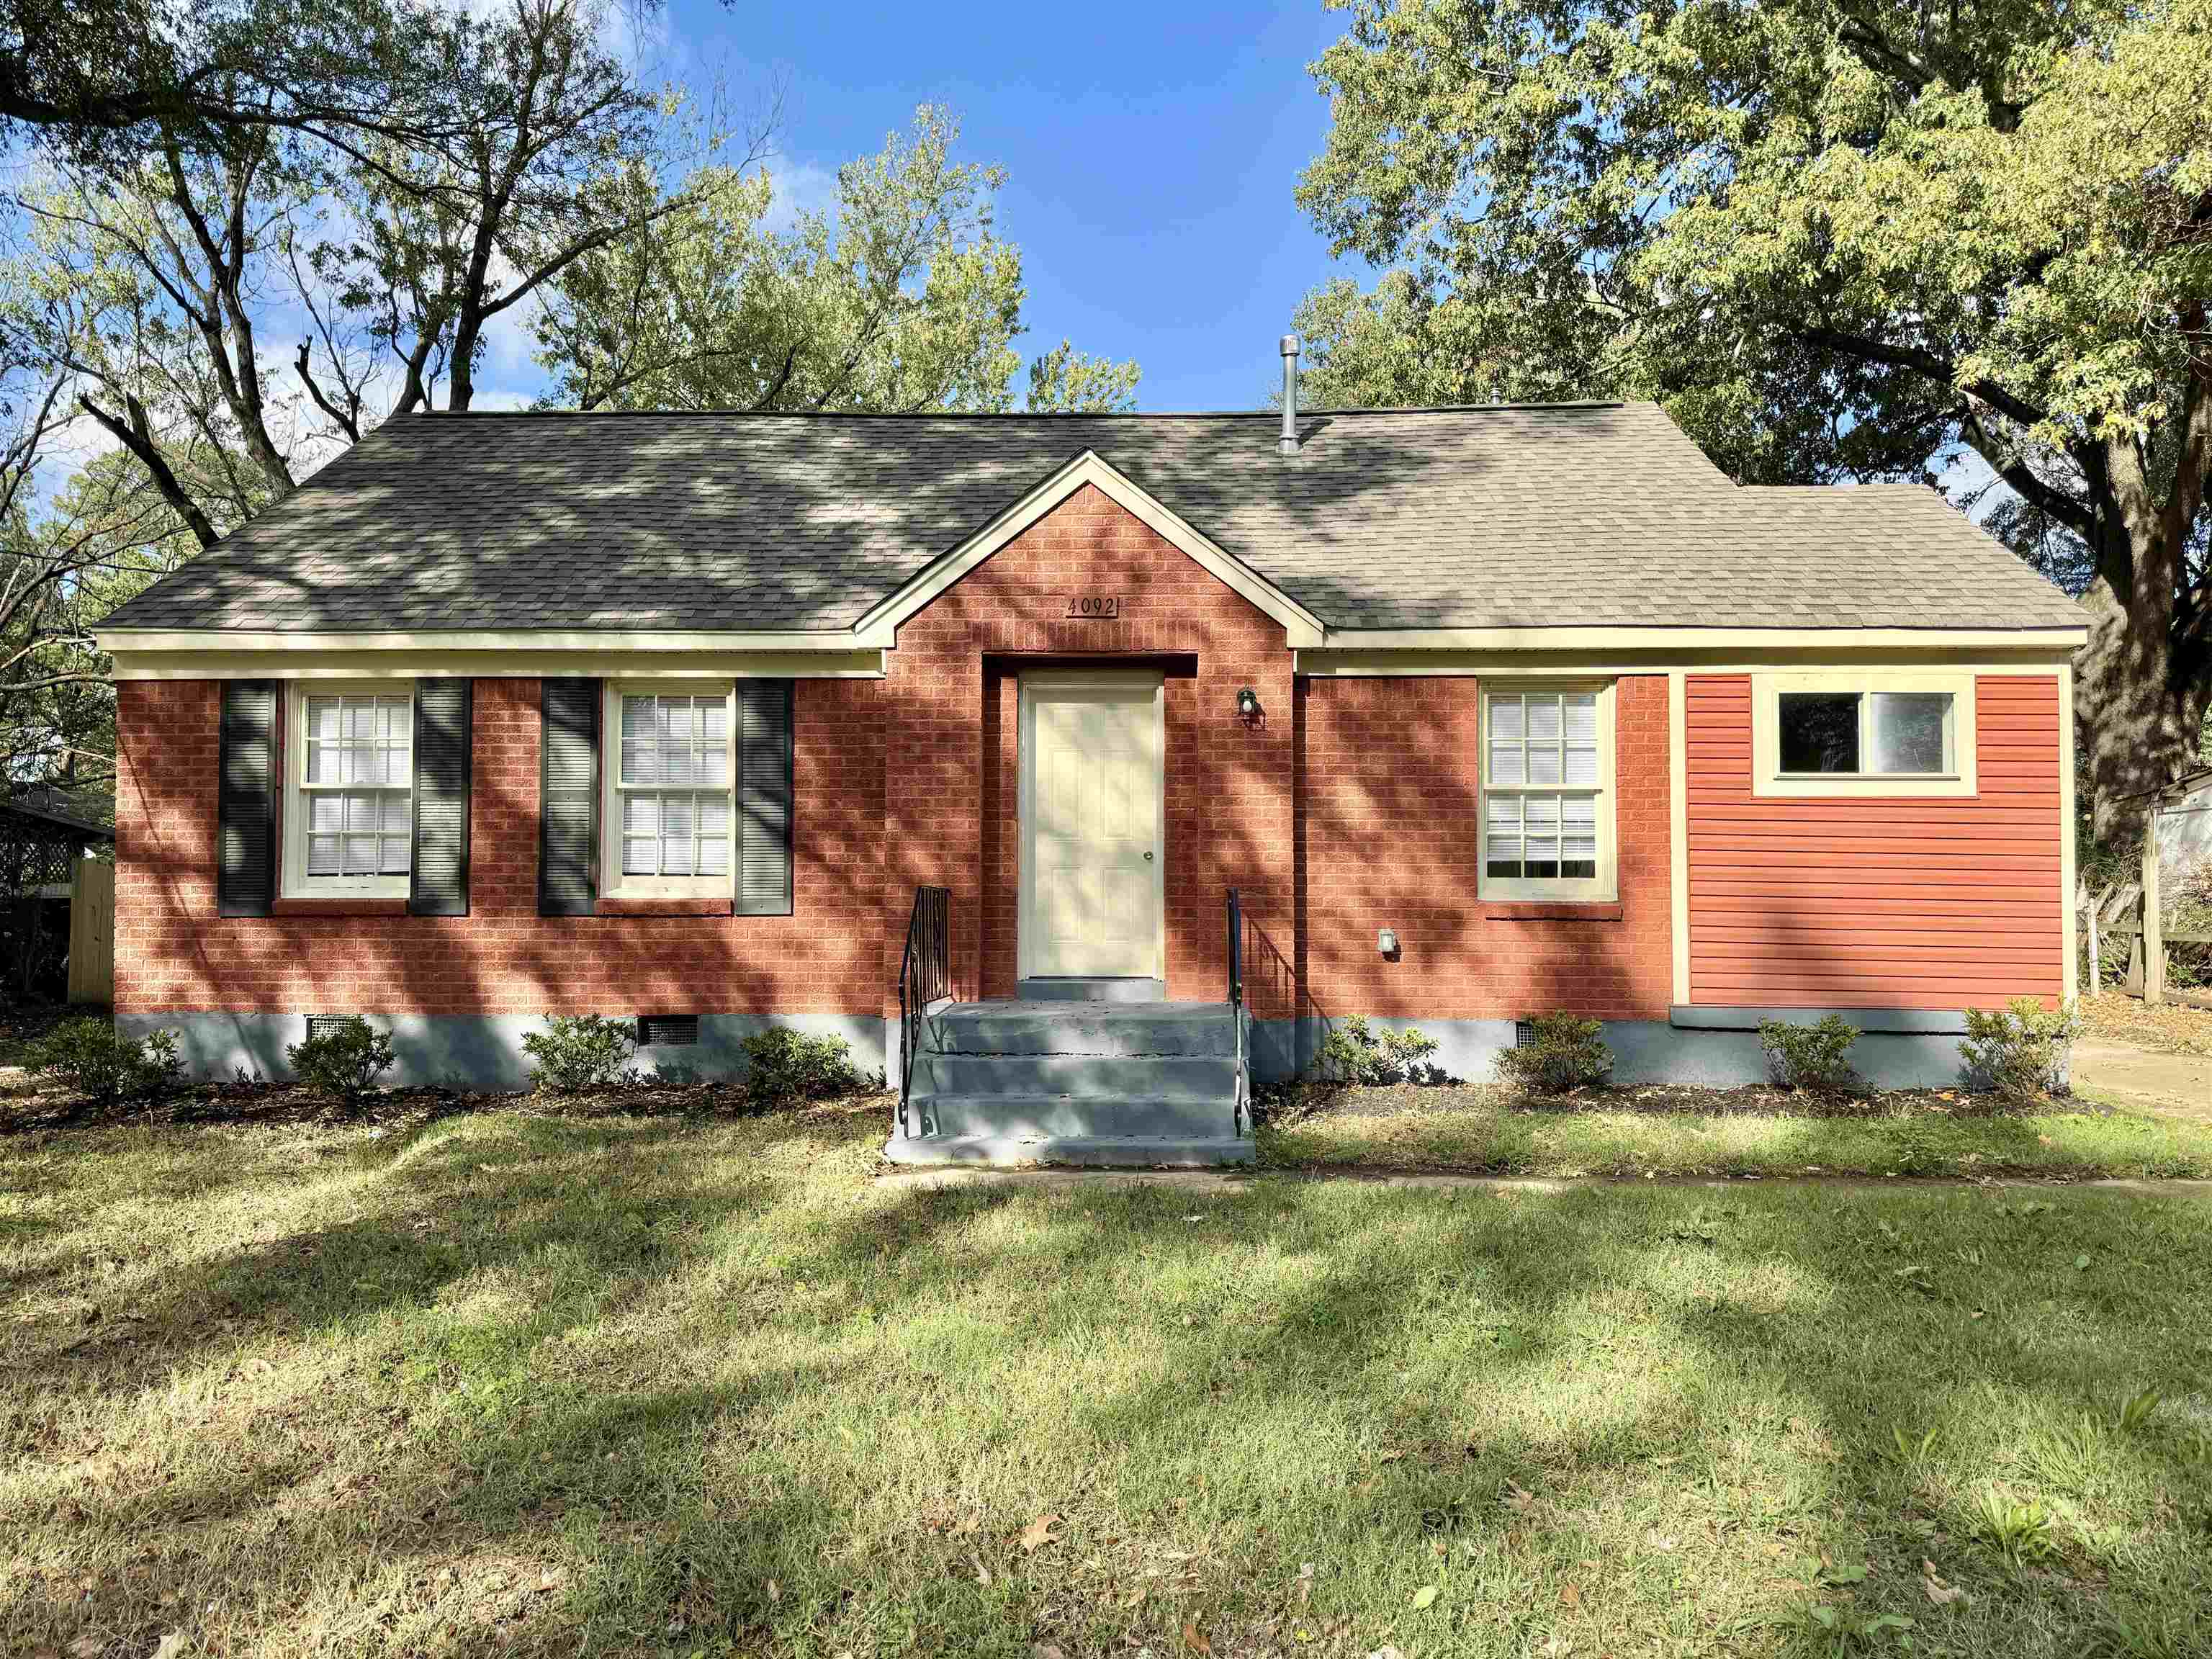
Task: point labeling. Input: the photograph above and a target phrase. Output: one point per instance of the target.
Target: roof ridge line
(1563, 405)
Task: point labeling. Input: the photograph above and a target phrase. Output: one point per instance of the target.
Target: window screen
(1539, 809)
(674, 782)
(1875, 734)
(356, 778)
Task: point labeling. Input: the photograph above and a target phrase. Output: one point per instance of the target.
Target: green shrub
(342, 1061)
(92, 1058)
(2019, 1055)
(1352, 1054)
(784, 1064)
(1569, 1054)
(1814, 1058)
(577, 1052)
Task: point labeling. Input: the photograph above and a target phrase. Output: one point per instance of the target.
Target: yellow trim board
(1678, 828)
(2069, 876)
(2055, 640)
(409, 664)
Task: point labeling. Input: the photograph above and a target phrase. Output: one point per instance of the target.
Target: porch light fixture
(1386, 941)
(1248, 704)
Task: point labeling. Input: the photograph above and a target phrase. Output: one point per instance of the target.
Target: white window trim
(1768, 779)
(1601, 889)
(613, 884)
(297, 883)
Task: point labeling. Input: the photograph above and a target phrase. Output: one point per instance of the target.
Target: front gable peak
(880, 625)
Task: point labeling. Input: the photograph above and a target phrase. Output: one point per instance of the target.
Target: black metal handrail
(924, 976)
(1236, 916)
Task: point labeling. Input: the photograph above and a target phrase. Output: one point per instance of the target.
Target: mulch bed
(1659, 1100)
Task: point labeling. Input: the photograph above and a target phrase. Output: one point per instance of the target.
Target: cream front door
(1092, 863)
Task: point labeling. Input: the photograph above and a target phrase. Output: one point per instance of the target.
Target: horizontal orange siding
(1892, 902)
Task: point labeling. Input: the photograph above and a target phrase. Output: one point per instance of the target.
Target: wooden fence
(2131, 910)
(92, 932)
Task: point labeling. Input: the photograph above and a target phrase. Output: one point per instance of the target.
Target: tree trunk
(2139, 698)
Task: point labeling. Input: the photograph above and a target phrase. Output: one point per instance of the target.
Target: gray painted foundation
(482, 1052)
(1716, 1047)
(1896, 1049)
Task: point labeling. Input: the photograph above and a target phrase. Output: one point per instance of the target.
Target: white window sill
(350, 887)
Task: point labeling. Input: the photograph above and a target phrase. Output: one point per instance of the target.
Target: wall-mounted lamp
(1386, 941)
(1248, 704)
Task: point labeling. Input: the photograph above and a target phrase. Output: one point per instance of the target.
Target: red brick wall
(1389, 836)
(1895, 902)
(173, 952)
(952, 806)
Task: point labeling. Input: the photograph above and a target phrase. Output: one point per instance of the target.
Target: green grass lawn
(1481, 1130)
(529, 1384)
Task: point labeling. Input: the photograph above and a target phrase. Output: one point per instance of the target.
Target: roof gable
(880, 626)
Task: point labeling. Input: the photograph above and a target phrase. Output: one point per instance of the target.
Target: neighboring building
(671, 714)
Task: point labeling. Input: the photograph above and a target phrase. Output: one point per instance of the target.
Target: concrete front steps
(1095, 1083)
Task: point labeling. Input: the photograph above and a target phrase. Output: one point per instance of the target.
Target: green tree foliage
(1837, 242)
(897, 295)
(387, 182)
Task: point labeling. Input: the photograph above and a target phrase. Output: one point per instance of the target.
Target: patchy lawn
(1762, 1132)
(612, 1383)
(2171, 1028)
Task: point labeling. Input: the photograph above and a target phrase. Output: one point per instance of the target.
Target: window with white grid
(1546, 768)
(355, 781)
(672, 787)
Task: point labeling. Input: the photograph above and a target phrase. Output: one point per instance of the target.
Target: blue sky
(1151, 148)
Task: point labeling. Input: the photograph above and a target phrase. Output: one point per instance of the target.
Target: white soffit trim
(217, 663)
(1300, 624)
(119, 641)
(2056, 641)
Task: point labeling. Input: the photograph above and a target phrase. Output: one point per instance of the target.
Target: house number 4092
(1101, 606)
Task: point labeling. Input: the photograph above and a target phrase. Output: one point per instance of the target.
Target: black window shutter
(568, 799)
(245, 799)
(764, 798)
(440, 884)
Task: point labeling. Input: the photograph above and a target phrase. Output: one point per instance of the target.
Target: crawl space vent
(654, 1030)
(1524, 1033)
(326, 1024)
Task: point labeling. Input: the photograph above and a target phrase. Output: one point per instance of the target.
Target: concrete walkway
(2172, 1085)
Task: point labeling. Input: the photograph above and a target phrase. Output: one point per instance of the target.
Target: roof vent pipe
(1289, 446)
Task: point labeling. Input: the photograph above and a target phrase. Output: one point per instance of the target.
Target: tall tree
(85, 79)
(1838, 239)
(561, 156)
(895, 295)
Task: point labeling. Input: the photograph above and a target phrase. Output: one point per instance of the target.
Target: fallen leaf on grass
(1194, 1639)
(1039, 1533)
(170, 1646)
(1425, 1597)
(1570, 1595)
(1305, 1582)
(1939, 1594)
(982, 1573)
(1517, 1499)
(774, 1591)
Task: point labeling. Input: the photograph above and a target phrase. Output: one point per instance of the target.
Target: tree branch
(135, 435)
(349, 418)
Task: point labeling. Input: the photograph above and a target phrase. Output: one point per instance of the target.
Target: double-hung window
(1547, 820)
(350, 807)
(671, 791)
(1863, 732)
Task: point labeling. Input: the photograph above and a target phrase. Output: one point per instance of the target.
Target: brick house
(1477, 713)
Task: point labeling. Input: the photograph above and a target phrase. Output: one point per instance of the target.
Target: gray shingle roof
(1575, 514)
